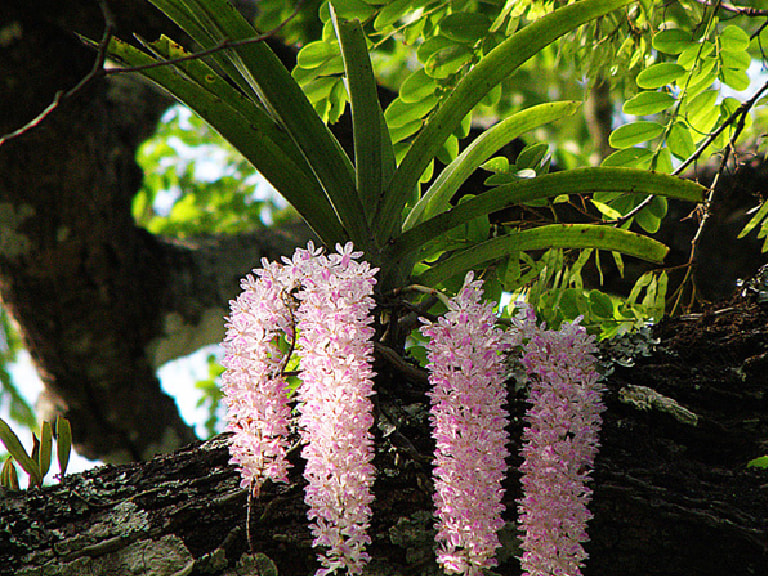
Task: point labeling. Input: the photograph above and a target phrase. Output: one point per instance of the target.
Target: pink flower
(335, 338)
(327, 301)
(254, 388)
(468, 425)
(559, 447)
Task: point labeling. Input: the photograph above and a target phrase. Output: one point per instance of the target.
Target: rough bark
(672, 493)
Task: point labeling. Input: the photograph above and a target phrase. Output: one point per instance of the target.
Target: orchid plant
(325, 308)
(321, 305)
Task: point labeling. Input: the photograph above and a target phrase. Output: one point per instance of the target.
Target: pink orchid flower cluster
(467, 375)
(559, 446)
(322, 307)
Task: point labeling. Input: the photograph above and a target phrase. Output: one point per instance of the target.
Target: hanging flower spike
(559, 447)
(468, 425)
(336, 345)
(254, 388)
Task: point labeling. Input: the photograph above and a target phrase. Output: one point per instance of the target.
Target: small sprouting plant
(38, 463)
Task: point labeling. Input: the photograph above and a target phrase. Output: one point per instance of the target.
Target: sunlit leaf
(431, 45)
(736, 79)
(531, 156)
(760, 462)
(548, 236)
(695, 53)
(672, 41)
(735, 60)
(635, 133)
(649, 102)
(353, 9)
(448, 60)
(400, 113)
(417, 87)
(391, 13)
(467, 27)
(659, 75)
(734, 38)
(629, 158)
(680, 141)
(316, 53)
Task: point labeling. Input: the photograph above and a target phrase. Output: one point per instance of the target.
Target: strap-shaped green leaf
(483, 147)
(179, 12)
(285, 100)
(256, 136)
(63, 442)
(46, 449)
(374, 157)
(491, 70)
(15, 449)
(579, 181)
(208, 79)
(596, 236)
(8, 477)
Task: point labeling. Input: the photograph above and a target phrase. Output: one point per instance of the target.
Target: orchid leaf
(483, 147)
(374, 157)
(579, 181)
(63, 443)
(285, 100)
(46, 449)
(596, 236)
(251, 130)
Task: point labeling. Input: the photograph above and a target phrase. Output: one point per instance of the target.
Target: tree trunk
(672, 493)
(101, 303)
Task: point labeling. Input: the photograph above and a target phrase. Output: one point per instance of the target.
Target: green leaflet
(673, 41)
(659, 75)
(628, 135)
(544, 237)
(647, 103)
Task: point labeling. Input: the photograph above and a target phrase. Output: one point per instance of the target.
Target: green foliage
(205, 185)
(38, 462)
(468, 53)
(760, 462)
(554, 286)
(760, 217)
(680, 92)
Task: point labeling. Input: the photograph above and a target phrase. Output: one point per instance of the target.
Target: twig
(248, 535)
(98, 70)
(740, 10)
(400, 364)
(223, 45)
(62, 95)
(425, 290)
